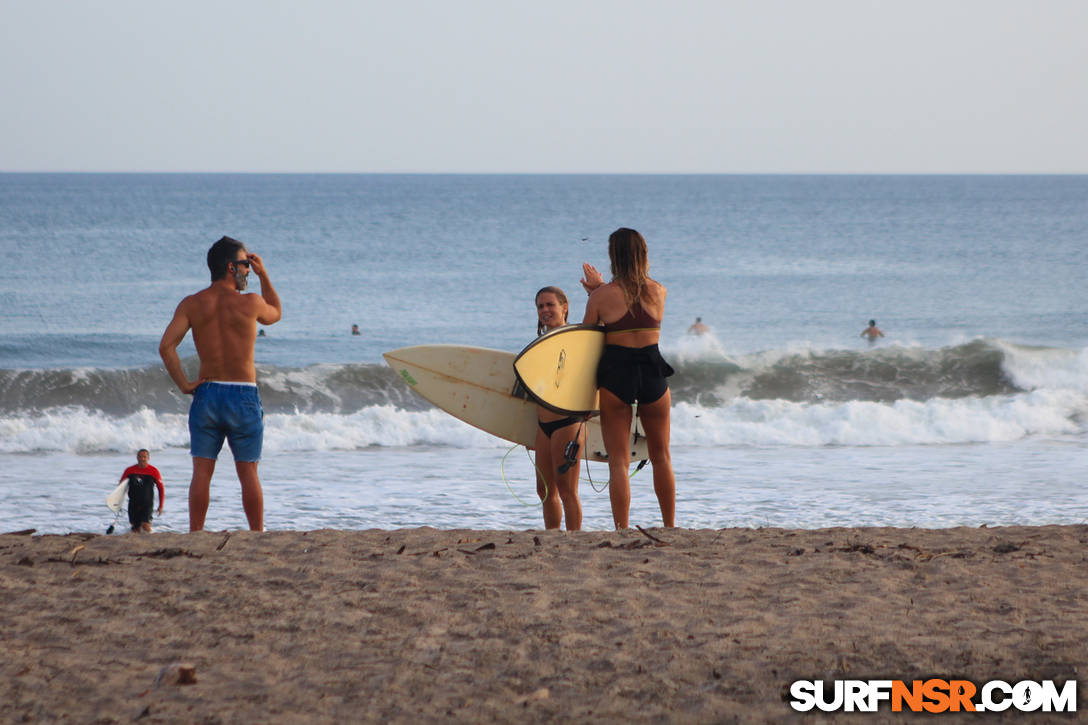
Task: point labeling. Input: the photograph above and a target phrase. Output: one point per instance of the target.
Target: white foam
(745, 422)
(1034, 368)
(76, 430)
(695, 348)
(382, 425)
(741, 422)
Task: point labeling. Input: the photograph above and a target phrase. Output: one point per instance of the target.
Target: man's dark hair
(221, 255)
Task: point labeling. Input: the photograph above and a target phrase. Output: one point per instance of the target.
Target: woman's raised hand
(591, 278)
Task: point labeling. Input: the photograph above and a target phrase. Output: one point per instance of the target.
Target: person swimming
(872, 332)
(698, 327)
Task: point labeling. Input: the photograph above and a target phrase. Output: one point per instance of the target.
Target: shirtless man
(225, 398)
(698, 327)
(872, 332)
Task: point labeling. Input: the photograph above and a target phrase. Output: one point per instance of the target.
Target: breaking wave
(985, 390)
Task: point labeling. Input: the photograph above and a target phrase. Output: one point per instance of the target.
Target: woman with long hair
(556, 477)
(630, 309)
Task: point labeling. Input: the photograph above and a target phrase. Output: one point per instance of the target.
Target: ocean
(972, 410)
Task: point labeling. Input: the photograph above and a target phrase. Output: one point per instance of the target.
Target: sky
(562, 86)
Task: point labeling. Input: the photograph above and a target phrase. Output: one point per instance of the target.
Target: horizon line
(542, 173)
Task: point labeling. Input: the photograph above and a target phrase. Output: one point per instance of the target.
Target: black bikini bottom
(554, 425)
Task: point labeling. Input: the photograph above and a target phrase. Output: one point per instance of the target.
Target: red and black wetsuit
(142, 481)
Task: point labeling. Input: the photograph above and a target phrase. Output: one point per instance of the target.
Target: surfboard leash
(502, 472)
(111, 527)
(117, 517)
(588, 477)
(572, 455)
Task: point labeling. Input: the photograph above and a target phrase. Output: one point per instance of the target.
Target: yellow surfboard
(559, 368)
(477, 385)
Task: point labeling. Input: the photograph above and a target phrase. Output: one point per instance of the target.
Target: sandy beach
(424, 625)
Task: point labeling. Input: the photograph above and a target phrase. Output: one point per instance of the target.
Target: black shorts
(633, 373)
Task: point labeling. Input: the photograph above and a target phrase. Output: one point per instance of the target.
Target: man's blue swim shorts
(226, 410)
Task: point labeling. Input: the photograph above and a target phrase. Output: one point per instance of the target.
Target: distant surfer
(143, 479)
(630, 308)
(698, 328)
(355, 330)
(226, 403)
(872, 332)
(558, 438)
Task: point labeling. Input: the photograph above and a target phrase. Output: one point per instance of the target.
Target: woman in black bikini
(556, 477)
(630, 309)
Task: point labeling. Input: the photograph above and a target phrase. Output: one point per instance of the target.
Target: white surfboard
(559, 368)
(117, 496)
(477, 385)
